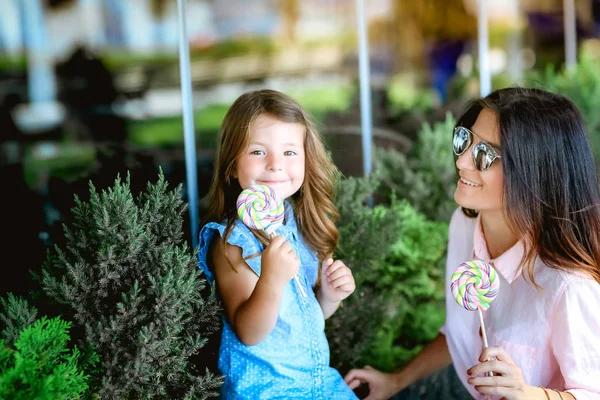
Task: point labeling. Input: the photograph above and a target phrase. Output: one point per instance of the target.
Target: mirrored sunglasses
(483, 152)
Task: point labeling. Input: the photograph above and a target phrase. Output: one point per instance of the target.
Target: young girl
(273, 342)
(530, 206)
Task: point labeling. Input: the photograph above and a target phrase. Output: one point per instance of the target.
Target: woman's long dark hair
(550, 184)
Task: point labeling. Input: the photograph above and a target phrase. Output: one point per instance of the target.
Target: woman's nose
(465, 160)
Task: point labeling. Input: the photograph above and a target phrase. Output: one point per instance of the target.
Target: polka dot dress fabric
(293, 361)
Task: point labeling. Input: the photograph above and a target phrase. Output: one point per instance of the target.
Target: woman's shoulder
(578, 293)
(563, 281)
(575, 280)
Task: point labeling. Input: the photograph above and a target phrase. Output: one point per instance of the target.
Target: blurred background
(91, 88)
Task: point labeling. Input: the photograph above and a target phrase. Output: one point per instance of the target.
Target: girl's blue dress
(292, 362)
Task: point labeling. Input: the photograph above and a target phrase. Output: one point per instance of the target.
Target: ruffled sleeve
(240, 236)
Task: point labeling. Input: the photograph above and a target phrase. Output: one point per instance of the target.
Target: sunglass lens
(482, 156)
(461, 140)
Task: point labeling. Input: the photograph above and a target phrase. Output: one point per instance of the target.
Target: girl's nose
(274, 162)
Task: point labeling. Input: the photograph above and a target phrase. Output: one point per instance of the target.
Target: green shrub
(36, 364)
(396, 256)
(366, 236)
(426, 177)
(16, 316)
(128, 280)
(582, 86)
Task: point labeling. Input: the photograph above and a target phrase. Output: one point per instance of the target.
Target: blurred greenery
(320, 101)
(67, 160)
(64, 160)
(463, 88)
(405, 94)
(167, 131)
(426, 176)
(582, 86)
(115, 60)
(10, 63)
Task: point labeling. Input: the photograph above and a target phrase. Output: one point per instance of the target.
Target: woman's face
(476, 190)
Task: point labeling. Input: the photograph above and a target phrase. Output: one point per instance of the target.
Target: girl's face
(274, 157)
(476, 190)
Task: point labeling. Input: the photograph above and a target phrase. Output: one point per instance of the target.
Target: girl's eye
(258, 152)
(289, 153)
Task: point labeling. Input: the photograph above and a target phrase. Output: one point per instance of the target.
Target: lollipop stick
(300, 288)
(485, 341)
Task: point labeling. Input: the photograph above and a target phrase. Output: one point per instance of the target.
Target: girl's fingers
(347, 288)
(286, 246)
(277, 241)
(325, 265)
(342, 280)
(334, 267)
(338, 273)
(496, 366)
(496, 352)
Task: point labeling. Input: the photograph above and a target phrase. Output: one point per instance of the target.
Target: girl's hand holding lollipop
(259, 208)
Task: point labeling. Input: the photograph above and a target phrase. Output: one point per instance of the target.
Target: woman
(530, 205)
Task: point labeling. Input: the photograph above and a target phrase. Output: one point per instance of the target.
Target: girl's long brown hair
(550, 184)
(313, 203)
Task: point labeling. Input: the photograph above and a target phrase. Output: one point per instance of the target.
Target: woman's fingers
(355, 377)
(496, 352)
(497, 380)
(496, 366)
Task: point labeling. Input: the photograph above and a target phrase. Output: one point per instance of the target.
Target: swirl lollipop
(474, 285)
(259, 208)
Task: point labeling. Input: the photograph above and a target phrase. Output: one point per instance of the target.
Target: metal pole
(485, 79)
(514, 45)
(365, 88)
(42, 88)
(188, 122)
(11, 39)
(570, 34)
(91, 17)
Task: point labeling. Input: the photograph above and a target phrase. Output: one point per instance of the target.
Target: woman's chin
(464, 201)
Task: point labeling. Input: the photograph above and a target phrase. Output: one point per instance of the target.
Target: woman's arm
(575, 338)
(434, 357)
(252, 303)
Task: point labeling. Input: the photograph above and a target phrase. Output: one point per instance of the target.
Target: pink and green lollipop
(474, 285)
(259, 208)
